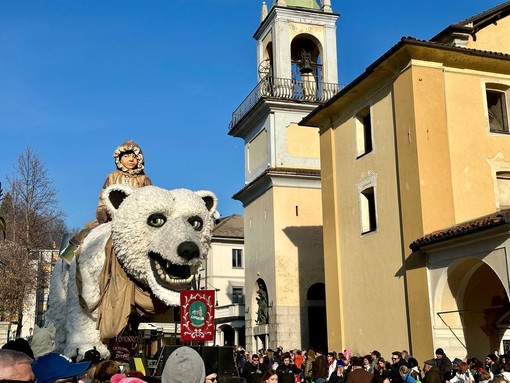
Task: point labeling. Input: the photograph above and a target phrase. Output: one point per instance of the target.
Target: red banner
(197, 315)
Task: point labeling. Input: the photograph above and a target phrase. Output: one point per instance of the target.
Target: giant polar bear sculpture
(159, 238)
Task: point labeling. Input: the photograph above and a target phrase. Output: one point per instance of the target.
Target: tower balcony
(287, 89)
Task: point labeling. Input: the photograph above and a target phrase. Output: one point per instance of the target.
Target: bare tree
(34, 214)
(16, 279)
(2, 220)
(34, 220)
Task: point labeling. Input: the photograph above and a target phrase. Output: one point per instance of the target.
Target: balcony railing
(285, 89)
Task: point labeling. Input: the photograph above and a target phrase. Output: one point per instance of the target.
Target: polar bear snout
(188, 250)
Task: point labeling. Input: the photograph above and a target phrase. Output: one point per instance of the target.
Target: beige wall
(302, 141)
(493, 37)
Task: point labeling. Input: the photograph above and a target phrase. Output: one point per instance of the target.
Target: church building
(415, 170)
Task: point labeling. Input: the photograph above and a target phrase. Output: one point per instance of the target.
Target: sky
(79, 77)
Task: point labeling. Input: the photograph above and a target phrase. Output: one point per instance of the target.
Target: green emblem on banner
(197, 312)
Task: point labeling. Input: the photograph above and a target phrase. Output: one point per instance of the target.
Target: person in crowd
(382, 368)
(16, 365)
(331, 363)
(286, 370)
(415, 372)
(240, 360)
(105, 370)
(463, 375)
(444, 364)
(374, 355)
(320, 368)
(253, 370)
(484, 376)
(122, 378)
(270, 376)
(211, 376)
(380, 379)
(367, 360)
(21, 345)
(358, 373)
(396, 362)
(54, 366)
(184, 365)
(405, 374)
(94, 357)
(298, 359)
(338, 376)
(491, 364)
(310, 358)
(431, 372)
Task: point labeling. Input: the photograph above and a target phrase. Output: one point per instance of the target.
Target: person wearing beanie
(444, 364)
(491, 364)
(184, 365)
(20, 345)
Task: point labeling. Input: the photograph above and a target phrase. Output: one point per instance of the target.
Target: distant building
(223, 271)
(415, 166)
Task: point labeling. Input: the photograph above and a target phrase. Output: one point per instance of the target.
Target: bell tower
(284, 268)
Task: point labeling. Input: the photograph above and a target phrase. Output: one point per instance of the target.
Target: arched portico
(469, 298)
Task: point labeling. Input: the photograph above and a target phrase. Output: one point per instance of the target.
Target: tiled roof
(230, 227)
(404, 41)
(472, 25)
(479, 224)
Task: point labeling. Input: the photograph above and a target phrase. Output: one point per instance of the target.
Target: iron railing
(285, 89)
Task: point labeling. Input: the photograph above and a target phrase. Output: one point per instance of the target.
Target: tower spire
(264, 11)
(326, 6)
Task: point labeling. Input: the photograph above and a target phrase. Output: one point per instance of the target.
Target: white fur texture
(145, 222)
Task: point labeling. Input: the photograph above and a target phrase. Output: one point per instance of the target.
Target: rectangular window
(368, 213)
(237, 258)
(364, 132)
(497, 108)
(237, 295)
(503, 179)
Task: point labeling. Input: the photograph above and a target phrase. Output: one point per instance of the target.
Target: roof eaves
(372, 67)
(462, 229)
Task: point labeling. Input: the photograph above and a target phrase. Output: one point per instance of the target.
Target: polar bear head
(160, 237)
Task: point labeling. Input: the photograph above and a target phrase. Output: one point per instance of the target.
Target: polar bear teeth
(167, 278)
(170, 275)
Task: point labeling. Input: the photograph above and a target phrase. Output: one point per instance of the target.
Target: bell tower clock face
(264, 69)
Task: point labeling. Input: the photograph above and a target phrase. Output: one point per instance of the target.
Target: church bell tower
(284, 267)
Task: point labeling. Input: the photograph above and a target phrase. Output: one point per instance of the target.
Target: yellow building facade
(418, 143)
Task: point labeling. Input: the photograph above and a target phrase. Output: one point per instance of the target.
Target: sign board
(197, 315)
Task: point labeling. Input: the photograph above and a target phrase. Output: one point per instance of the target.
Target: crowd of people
(19, 364)
(316, 366)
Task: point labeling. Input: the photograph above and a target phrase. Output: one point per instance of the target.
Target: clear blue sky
(78, 77)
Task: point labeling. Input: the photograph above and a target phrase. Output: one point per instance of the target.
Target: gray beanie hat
(184, 365)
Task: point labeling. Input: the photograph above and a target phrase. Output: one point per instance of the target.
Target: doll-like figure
(130, 171)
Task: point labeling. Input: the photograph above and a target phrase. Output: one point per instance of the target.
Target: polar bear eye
(196, 222)
(156, 220)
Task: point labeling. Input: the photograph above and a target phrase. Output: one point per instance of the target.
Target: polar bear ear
(211, 202)
(114, 195)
